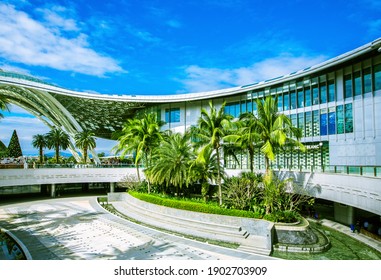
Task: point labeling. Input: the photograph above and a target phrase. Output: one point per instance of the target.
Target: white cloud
(28, 41)
(54, 17)
(205, 79)
(141, 34)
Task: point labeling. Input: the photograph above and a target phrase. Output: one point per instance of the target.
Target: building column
(344, 214)
(53, 190)
(112, 187)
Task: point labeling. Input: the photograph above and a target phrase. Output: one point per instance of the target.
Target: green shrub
(282, 216)
(193, 206)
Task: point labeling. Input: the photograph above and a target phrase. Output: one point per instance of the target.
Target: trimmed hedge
(193, 206)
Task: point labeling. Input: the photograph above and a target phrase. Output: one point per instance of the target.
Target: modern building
(337, 104)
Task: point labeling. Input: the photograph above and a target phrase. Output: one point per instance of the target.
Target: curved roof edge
(40, 85)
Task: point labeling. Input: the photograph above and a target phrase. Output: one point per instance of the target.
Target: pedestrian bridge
(352, 190)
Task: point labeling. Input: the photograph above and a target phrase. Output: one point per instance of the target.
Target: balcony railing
(368, 171)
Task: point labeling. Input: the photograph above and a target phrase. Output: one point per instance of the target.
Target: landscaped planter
(253, 235)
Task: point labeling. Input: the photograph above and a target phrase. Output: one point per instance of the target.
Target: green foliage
(139, 136)
(171, 161)
(283, 195)
(14, 148)
(85, 140)
(213, 125)
(193, 206)
(241, 192)
(282, 216)
(40, 142)
(3, 149)
(57, 138)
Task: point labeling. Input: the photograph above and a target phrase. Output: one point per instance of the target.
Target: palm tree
(3, 105)
(171, 161)
(140, 136)
(204, 170)
(40, 142)
(275, 130)
(212, 127)
(57, 138)
(85, 140)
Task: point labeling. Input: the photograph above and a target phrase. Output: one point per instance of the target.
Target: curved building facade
(337, 104)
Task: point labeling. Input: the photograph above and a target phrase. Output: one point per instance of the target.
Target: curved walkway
(79, 228)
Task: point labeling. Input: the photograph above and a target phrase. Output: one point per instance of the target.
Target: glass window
(173, 115)
(293, 99)
(294, 120)
(357, 83)
(249, 104)
(331, 91)
(316, 123)
(307, 92)
(340, 119)
(301, 123)
(255, 107)
(323, 122)
(348, 118)
(331, 121)
(367, 79)
(286, 102)
(308, 124)
(300, 98)
(323, 93)
(315, 95)
(243, 107)
(377, 77)
(237, 110)
(280, 102)
(347, 86)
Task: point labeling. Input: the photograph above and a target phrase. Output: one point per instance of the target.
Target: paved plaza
(80, 229)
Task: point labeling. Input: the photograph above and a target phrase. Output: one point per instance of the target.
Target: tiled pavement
(78, 228)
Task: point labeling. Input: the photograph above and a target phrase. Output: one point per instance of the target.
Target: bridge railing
(66, 165)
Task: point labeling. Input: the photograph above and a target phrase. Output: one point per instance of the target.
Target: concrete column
(112, 187)
(344, 213)
(53, 190)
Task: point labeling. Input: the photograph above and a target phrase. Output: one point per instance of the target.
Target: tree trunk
(41, 155)
(251, 157)
(267, 164)
(85, 154)
(219, 178)
(57, 154)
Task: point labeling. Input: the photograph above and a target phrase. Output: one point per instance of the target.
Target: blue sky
(169, 47)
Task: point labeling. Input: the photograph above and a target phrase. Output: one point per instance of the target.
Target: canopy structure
(74, 111)
(66, 111)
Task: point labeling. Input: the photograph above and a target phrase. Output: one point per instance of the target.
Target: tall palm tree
(275, 130)
(246, 135)
(212, 127)
(140, 136)
(40, 142)
(85, 140)
(171, 161)
(57, 138)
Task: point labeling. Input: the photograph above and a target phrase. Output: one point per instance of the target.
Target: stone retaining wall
(253, 235)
